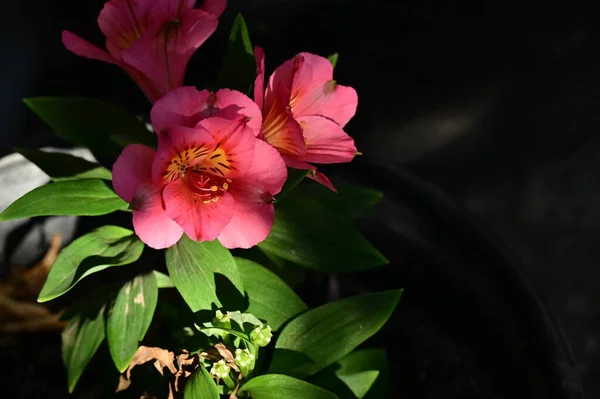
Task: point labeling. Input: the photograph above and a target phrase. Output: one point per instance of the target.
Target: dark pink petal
(330, 99)
(150, 220)
(234, 143)
(163, 11)
(259, 82)
(250, 225)
(85, 49)
(214, 7)
(200, 221)
(183, 106)
(123, 22)
(279, 86)
(132, 169)
(177, 143)
(313, 172)
(163, 51)
(326, 141)
(280, 129)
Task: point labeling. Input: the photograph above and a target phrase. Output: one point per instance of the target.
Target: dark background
(495, 102)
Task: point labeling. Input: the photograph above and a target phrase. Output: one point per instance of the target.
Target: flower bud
(220, 369)
(261, 335)
(244, 358)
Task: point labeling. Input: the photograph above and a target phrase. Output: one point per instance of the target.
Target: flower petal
(186, 106)
(259, 82)
(123, 22)
(132, 169)
(326, 141)
(250, 225)
(234, 150)
(150, 220)
(183, 106)
(231, 104)
(321, 178)
(179, 146)
(330, 100)
(163, 51)
(281, 130)
(83, 48)
(214, 7)
(321, 71)
(254, 213)
(200, 221)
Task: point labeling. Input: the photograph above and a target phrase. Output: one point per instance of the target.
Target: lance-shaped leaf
(102, 248)
(322, 336)
(60, 166)
(276, 386)
(87, 197)
(201, 386)
(129, 318)
(239, 69)
(80, 340)
(90, 123)
(333, 58)
(270, 297)
(349, 202)
(309, 234)
(192, 267)
(363, 374)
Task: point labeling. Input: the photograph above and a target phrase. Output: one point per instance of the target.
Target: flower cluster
(221, 156)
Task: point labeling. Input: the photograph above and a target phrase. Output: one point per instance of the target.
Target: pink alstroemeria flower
(304, 113)
(153, 40)
(210, 177)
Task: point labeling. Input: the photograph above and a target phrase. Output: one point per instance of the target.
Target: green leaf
(270, 298)
(239, 68)
(192, 266)
(309, 234)
(201, 386)
(295, 177)
(59, 166)
(276, 386)
(162, 280)
(89, 123)
(333, 58)
(87, 197)
(102, 248)
(80, 340)
(363, 374)
(321, 336)
(349, 202)
(130, 317)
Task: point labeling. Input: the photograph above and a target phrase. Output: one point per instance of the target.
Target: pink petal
(186, 106)
(326, 141)
(236, 139)
(150, 220)
(330, 100)
(268, 172)
(183, 106)
(321, 71)
(321, 178)
(163, 51)
(250, 225)
(280, 83)
(280, 129)
(214, 7)
(132, 169)
(259, 82)
(85, 49)
(200, 221)
(173, 142)
(230, 104)
(254, 213)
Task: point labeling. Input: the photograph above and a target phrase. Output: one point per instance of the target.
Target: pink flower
(210, 177)
(152, 40)
(304, 113)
